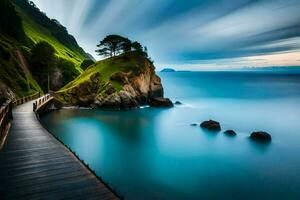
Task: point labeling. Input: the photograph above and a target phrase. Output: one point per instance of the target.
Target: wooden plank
(34, 165)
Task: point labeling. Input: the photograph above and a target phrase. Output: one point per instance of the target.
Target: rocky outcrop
(230, 132)
(160, 102)
(178, 103)
(261, 136)
(211, 125)
(122, 89)
(6, 94)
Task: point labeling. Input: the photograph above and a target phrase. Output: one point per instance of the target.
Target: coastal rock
(160, 102)
(120, 77)
(194, 124)
(230, 132)
(57, 104)
(178, 103)
(111, 102)
(156, 88)
(211, 125)
(122, 82)
(261, 136)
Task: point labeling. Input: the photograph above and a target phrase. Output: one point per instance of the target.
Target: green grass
(11, 74)
(132, 62)
(38, 33)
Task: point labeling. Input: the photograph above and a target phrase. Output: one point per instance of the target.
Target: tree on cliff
(41, 60)
(113, 45)
(136, 46)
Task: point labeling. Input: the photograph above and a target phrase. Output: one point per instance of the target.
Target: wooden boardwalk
(34, 165)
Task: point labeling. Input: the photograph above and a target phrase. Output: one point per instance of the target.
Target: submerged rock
(261, 136)
(211, 125)
(194, 124)
(178, 103)
(230, 132)
(160, 102)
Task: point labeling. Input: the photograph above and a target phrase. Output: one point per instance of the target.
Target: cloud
(185, 31)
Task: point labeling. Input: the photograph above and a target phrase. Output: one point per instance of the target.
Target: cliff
(125, 81)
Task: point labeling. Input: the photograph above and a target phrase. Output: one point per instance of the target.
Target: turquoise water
(154, 153)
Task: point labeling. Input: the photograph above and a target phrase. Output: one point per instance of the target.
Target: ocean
(154, 153)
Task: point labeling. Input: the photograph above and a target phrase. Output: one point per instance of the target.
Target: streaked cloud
(178, 33)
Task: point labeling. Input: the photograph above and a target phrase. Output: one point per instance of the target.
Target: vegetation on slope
(121, 82)
(132, 62)
(13, 73)
(11, 23)
(125, 56)
(124, 80)
(26, 28)
(38, 27)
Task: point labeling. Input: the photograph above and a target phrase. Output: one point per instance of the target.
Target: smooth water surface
(154, 153)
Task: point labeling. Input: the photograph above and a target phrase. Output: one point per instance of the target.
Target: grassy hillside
(27, 26)
(38, 27)
(133, 62)
(12, 73)
(122, 82)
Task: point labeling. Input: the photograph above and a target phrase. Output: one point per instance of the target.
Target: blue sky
(190, 34)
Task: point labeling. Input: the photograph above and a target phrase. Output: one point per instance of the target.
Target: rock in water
(178, 103)
(211, 125)
(230, 132)
(261, 136)
(160, 102)
(194, 124)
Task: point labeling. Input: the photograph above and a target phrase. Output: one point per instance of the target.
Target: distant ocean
(154, 153)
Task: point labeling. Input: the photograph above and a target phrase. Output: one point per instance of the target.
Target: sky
(190, 34)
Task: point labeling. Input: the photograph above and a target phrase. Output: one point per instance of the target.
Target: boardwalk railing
(26, 99)
(5, 119)
(40, 102)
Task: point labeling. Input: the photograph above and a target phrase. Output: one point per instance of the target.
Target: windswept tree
(127, 45)
(113, 45)
(136, 46)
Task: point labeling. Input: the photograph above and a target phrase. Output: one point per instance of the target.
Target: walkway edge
(77, 157)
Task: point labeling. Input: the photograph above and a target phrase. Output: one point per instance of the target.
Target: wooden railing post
(26, 99)
(5, 119)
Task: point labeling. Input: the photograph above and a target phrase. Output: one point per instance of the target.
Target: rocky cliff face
(6, 94)
(133, 83)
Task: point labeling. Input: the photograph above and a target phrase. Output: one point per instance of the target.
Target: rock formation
(6, 94)
(123, 82)
(261, 136)
(211, 125)
(230, 132)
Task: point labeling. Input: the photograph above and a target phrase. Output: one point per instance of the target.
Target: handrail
(5, 119)
(40, 102)
(26, 99)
